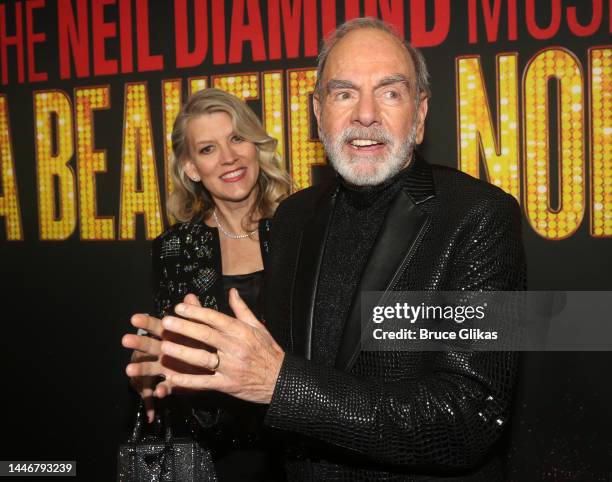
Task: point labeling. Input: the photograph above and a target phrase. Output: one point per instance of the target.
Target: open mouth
(365, 144)
(235, 175)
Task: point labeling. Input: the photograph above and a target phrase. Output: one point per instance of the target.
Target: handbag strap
(162, 423)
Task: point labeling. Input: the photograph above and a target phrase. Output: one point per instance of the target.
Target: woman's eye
(206, 150)
(237, 139)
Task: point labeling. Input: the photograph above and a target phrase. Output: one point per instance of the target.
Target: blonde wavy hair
(190, 200)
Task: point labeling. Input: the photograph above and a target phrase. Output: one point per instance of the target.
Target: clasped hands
(204, 349)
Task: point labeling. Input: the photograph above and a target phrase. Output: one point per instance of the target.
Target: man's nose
(366, 110)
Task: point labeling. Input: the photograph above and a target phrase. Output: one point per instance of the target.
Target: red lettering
(146, 61)
(125, 34)
(218, 20)
(491, 20)
(34, 38)
(72, 39)
(16, 40)
(311, 39)
(419, 35)
(328, 14)
(589, 29)
(555, 21)
(251, 31)
(512, 26)
(472, 22)
(351, 9)
(100, 31)
(292, 27)
(185, 57)
(274, 29)
(390, 11)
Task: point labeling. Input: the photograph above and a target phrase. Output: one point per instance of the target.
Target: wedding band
(217, 365)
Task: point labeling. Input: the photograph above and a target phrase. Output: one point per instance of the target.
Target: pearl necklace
(228, 233)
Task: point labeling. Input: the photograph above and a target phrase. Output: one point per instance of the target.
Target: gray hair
(420, 67)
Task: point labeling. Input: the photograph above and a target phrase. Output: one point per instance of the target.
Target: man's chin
(363, 173)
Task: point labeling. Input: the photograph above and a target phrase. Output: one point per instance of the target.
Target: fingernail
(180, 308)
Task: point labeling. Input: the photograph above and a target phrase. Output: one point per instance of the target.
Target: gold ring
(217, 365)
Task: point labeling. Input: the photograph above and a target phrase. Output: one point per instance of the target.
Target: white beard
(363, 171)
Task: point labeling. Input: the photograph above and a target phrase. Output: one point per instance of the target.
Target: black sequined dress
(187, 259)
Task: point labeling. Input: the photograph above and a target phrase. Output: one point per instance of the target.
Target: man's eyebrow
(393, 79)
(334, 84)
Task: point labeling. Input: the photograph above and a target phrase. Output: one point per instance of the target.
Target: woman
(227, 183)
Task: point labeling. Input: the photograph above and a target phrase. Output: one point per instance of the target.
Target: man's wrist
(274, 376)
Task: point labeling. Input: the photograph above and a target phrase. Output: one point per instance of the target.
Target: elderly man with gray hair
(388, 221)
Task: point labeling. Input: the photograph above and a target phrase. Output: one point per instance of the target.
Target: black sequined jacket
(187, 259)
(395, 415)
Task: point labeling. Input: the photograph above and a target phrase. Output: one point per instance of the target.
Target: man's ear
(316, 106)
(421, 114)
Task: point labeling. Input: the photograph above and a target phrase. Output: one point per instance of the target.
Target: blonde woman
(228, 181)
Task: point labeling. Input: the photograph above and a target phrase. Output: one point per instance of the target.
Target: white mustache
(376, 134)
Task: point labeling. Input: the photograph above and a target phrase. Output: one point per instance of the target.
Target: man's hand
(146, 367)
(247, 359)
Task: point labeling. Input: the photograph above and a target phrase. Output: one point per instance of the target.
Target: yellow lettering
(9, 203)
(601, 142)
(197, 84)
(562, 222)
(500, 151)
(89, 162)
(171, 91)
(273, 101)
(305, 152)
(52, 162)
(138, 153)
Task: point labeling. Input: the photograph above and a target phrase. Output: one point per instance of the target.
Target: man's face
(367, 118)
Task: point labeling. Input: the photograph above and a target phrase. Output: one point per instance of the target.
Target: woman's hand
(145, 351)
(144, 385)
(146, 371)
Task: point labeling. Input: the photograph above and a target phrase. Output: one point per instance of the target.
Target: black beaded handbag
(154, 454)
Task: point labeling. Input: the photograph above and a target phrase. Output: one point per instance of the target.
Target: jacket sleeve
(446, 417)
(163, 302)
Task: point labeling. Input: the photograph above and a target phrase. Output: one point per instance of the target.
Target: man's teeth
(232, 174)
(363, 142)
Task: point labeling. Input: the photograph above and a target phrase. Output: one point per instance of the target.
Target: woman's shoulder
(182, 230)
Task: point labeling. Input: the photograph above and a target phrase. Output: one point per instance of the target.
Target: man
(389, 221)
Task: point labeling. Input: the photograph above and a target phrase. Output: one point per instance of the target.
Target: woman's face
(226, 164)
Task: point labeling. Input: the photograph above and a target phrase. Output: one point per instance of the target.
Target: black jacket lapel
(400, 234)
(310, 255)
